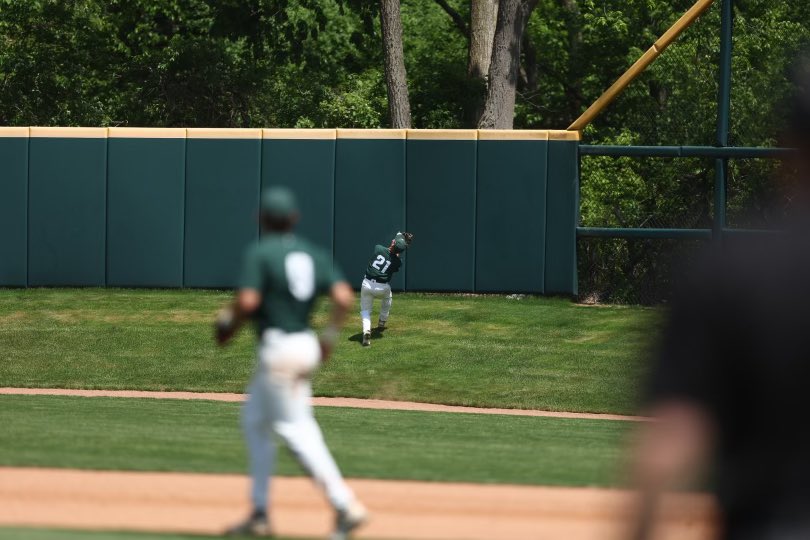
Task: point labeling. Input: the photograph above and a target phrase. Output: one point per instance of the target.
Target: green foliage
(54, 62)
(436, 60)
(182, 63)
(359, 103)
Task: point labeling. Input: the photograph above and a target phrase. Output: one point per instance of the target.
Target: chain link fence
(631, 271)
(674, 103)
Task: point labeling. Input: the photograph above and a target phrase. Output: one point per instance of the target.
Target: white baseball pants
(368, 292)
(280, 403)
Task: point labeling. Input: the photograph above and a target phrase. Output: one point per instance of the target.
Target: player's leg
(261, 453)
(366, 306)
(302, 434)
(261, 446)
(385, 305)
(295, 423)
(304, 438)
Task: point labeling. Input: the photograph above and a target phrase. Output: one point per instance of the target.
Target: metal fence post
(723, 114)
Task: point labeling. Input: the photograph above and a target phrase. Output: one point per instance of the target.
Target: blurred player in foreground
(281, 278)
(382, 266)
(730, 386)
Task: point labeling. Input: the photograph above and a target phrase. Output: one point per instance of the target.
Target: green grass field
(203, 436)
(482, 351)
(20, 533)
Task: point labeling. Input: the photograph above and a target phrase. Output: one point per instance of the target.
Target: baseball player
(281, 278)
(384, 263)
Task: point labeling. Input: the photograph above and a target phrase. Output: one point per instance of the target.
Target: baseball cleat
(366, 339)
(381, 325)
(348, 520)
(255, 525)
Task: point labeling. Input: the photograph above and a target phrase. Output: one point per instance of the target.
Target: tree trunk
(499, 110)
(483, 19)
(396, 79)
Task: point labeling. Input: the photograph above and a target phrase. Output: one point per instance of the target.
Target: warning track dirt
(318, 402)
(207, 503)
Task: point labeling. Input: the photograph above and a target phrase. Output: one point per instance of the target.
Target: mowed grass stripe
(202, 436)
(535, 353)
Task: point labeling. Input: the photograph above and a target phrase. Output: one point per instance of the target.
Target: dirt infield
(319, 402)
(206, 503)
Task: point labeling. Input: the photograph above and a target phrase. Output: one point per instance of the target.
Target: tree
(399, 107)
(499, 110)
(483, 19)
(55, 61)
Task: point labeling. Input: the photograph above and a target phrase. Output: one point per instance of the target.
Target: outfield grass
(481, 351)
(20, 533)
(203, 436)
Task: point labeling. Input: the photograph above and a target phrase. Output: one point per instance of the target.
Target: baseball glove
(408, 237)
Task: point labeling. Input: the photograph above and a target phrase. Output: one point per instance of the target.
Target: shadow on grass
(376, 333)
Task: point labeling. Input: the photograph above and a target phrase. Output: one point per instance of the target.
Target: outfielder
(384, 263)
(281, 277)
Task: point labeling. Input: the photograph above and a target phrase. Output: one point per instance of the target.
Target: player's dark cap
(278, 202)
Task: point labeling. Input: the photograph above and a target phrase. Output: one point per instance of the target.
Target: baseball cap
(278, 202)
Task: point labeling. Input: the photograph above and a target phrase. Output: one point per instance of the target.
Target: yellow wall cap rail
(371, 133)
(14, 131)
(224, 133)
(285, 133)
(443, 134)
(146, 133)
(291, 134)
(70, 132)
(564, 135)
(513, 134)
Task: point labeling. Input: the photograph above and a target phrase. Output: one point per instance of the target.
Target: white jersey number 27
(381, 262)
(300, 271)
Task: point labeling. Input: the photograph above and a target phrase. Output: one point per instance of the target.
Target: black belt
(375, 281)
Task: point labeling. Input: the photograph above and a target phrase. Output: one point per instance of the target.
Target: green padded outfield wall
(440, 209)
(369, 197)
(304, 161)
(511, 211)
(14, 207)
(223, 176)
(562, 213)
(67, 197)
(492, 211)
(145, 191)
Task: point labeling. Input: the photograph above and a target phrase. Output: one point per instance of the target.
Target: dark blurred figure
(731, 384)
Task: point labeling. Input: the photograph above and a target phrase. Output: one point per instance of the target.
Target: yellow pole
(641, 64)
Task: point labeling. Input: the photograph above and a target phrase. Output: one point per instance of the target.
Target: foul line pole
(641, 64)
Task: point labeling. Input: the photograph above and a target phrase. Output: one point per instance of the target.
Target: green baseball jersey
(382, 265)
(290, 273)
